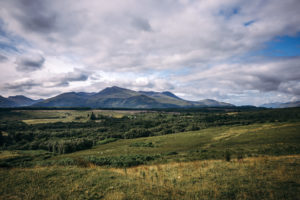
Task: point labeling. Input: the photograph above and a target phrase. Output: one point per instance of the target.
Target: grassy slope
(251, 140)
(252, 178)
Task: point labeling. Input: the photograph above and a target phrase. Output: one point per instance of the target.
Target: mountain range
(112, 97)
(17, 101)
(282, 105)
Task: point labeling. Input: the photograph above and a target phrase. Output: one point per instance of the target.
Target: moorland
(204, 153)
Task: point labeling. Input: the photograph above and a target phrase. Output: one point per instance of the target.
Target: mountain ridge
(116, 97)
(281, 105)
(17, 101)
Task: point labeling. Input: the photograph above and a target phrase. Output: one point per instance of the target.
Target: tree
(92, 117)
(227, 156)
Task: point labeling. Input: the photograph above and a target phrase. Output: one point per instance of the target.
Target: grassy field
(211, 143)
(53, 116)
(265, 177)
(256, 159)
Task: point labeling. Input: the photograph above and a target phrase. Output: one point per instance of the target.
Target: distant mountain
(212, 103)
(116, 97)
(282, 105)
(21, 100)
(17, 101)
(69, 99)
(271, 105)
(4, 102)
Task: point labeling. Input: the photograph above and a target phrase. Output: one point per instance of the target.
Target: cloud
(141, 24)
(226, 81)
(20, 85)
(65, 79)
(199, 49)
(35, 15)
(2, 58)
(29, 63)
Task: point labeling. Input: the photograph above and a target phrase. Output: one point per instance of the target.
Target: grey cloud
(290, 87)
(35, 16)
(29, 63)
(2, 58)
(140, 83)
(282, 76)
(141, 24)
(62, 80)
(186, 34)
(20, 86)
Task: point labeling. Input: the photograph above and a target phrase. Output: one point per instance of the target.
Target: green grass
(211, 143)
(253, 178)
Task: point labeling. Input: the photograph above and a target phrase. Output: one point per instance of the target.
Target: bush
(120, 161)
(66, 162)
(137, 132)
(92, 116)
(142, 144)
(172, 153)
(240, 156)
(107, 140)
(227, 156)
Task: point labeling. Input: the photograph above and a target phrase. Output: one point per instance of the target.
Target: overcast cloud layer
(196, 49)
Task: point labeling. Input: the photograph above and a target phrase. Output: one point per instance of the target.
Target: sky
(236, 51)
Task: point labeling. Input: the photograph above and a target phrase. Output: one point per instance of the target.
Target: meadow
(165, 154)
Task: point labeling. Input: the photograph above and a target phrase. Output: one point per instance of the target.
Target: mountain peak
(170, 94)
(112, 89)
(116, 92)
(18, 97)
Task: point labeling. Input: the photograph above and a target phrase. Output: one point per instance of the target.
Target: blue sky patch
(284, 46)
(229, 12)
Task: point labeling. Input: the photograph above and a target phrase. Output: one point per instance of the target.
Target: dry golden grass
(8, 154)
(252, 178)
(216, 176)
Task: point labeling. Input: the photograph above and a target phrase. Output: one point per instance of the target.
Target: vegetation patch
(142, 144)
(121, 161)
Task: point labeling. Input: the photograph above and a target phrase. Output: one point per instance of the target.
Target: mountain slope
(167, 98)
(212, 103)
(70, 99)
(21, 100)
(4, 102)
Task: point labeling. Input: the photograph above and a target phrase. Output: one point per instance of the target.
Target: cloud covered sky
(241, 52)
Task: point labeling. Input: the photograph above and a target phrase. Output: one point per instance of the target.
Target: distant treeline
(175, 109)
(45, 108)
